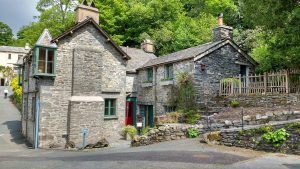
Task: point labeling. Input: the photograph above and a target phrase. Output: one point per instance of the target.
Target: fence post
(232, 88)
(287, 81)
(265, 82)
(240, 83)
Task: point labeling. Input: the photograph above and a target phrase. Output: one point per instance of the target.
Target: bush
(17, 95)
(276, 138)
(193, 133)
(191, 116)
(145, 131)
(131, 130)
(234, 103)
(172, 117)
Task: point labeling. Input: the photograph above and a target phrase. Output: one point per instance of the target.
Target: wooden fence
(287, 81)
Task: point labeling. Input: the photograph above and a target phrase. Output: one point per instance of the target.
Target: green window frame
(150, 74)
(169, 71)
(44, 61)
(110, 107)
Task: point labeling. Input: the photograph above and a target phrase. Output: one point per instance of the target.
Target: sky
(17, 13)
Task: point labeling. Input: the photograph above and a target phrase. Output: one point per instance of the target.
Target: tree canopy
(6, 35)
(268, 30)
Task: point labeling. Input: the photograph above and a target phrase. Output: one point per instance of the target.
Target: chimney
(27, 46)
(222, 32)
(85, 11)
(148, 46)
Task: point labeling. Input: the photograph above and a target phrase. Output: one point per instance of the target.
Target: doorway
(2, 82)
(130, 116)
(147, 112)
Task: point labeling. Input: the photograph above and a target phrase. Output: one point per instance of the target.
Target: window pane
(171, 71)
(112, 111)
(50, 67)
(106, 102)
(106, 111)
(42, 60)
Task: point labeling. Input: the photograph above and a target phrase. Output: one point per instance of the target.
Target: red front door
(129, 113)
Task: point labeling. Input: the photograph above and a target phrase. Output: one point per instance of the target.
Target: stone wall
(212, 124)
(251, 137)
(159, 87)
(164, 133)
(219, 64)
(270, 100)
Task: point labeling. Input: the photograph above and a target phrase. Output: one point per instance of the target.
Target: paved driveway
(175, 154)
(11, 139)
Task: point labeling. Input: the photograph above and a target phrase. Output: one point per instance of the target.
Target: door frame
(134, 100)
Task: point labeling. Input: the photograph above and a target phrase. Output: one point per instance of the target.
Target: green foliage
(193, 133)
(6, 35)
(56, 16)
(234, 103)
(17, 96)
(277, 44)
(184, 94)
(131, 130)
(145, 131)
(191, 116)
(276, 138)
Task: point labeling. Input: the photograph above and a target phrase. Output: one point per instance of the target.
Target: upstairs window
(9, 56)
(45, 59)
(149, 75)
(168, 72)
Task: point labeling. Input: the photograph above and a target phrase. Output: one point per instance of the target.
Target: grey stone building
(82, 82)
(208, 64)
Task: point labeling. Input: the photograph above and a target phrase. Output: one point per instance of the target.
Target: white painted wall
(5, 61)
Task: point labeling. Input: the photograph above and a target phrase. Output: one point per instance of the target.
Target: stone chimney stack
(148, 46)
(222, 32)
(85, 10)
(27, 46)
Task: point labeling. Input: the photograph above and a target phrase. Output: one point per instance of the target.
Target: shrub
(193, 133)
(276, 138)
(172, 117)
(131, 130)
(191, 116)
(234, 103)
(214, 136)
(145, 131)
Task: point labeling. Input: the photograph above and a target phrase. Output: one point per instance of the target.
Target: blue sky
(17, 13)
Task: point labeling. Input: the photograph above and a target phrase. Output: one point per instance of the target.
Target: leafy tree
(56, 15)
(6, 35)
(278, 45)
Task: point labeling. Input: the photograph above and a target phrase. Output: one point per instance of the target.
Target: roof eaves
(91, 20)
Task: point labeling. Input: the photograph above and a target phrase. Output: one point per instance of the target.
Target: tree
(6, 35)
(278, 44)
(56, 16)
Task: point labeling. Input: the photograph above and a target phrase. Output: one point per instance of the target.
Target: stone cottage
(208, 63)
(81, 82)
(76, 83)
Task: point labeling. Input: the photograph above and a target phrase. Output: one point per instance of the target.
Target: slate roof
(87, 21)
(12, 49)
(182, 54)
(138, 58)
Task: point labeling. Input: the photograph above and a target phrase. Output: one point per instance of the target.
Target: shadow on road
(15, 130)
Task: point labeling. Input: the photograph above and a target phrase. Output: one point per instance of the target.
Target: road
(181, 154)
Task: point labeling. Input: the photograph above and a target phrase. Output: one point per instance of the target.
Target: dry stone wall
(251, 137)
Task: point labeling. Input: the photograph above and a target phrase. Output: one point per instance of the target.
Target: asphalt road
(179, 154)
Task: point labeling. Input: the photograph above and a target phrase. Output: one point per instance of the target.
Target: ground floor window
(110, 107)
(169, 109)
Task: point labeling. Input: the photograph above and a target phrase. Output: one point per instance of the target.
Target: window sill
(45, 75)
(150, 84)
(167, 82)
(110, 117)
